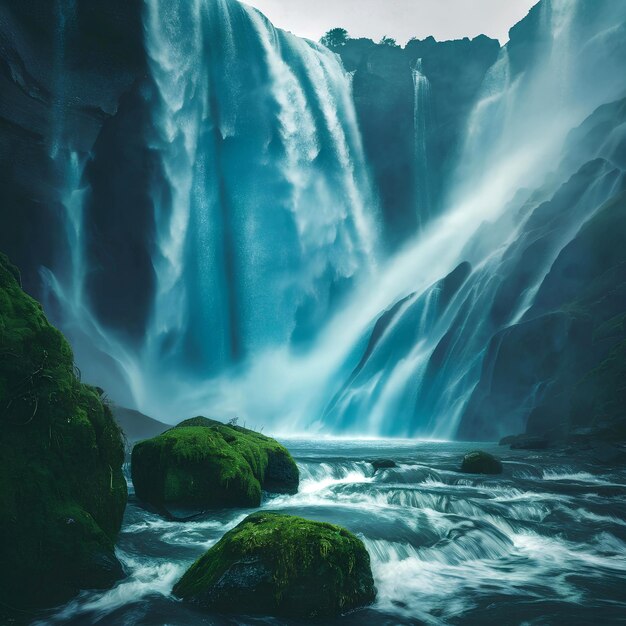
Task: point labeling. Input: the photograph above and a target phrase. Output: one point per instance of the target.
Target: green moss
(204, 463)
(277, 564)
(62, 491)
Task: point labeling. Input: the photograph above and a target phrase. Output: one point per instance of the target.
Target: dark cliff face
(63, 68)
(455, 71)
(119, 218)
(385, 98)
(560, 368)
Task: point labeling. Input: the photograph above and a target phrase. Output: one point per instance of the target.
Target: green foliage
(205, 463)
(388, 41)
(335, 38)
(62, 491)
(296, 567)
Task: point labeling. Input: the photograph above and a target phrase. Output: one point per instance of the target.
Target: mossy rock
(202, 463)
(479, 462)
(280, 565)
(62, 491)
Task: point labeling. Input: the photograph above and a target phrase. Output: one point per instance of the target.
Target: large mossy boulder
(62, 491)
(202, 463)
(480, 462)
(276, 564)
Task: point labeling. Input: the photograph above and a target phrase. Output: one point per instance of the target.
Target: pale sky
(401, 19)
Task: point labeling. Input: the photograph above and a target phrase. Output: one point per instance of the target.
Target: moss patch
(275, 564)
(204, 463)
(62, 491)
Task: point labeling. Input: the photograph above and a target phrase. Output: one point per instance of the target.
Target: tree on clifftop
(389, 41)
(335, 38)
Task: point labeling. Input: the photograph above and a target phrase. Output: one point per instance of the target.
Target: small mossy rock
(202, 463)
(379, 464)
(280, 565)
(62, 490)
(479, 462)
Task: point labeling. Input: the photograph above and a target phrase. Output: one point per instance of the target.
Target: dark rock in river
(202, 463)
(479, 462)
(379, 464)
(525, 442)
(62, 491)
(275, 564)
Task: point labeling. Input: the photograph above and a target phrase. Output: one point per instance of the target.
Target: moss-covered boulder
(275, 564)
(62, 491)
(202, 463)
(479, 462)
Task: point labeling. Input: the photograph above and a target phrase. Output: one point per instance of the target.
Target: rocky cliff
(413, 104)
(63, 69)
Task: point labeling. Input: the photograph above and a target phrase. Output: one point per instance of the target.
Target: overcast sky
(401, 19)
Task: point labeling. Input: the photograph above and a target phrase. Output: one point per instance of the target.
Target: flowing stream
(542, 544)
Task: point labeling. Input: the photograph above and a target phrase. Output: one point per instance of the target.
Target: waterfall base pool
(544, 543)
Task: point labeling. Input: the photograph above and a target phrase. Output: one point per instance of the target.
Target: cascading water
(413, 374)
(269, 295)
(422, 119)
(252, 158)
(545, 535)
(267, 215)
(272, 304)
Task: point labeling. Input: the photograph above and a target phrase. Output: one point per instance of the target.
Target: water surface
(545, 543)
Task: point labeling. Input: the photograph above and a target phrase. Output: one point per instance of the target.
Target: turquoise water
(542, 544)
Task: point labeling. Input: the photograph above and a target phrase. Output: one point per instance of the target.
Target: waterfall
(264, 218)
(405, 377)
(422, 119)
(270, 207)
(65, 10)
(272, 301)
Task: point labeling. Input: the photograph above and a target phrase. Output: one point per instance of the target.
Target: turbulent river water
(544, 543)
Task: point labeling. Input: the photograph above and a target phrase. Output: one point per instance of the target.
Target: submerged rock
(202, 463)
(62, 491)
(275, 564)
(479, 462)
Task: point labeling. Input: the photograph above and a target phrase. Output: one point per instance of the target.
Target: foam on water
(445, 547)
(148, 578)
